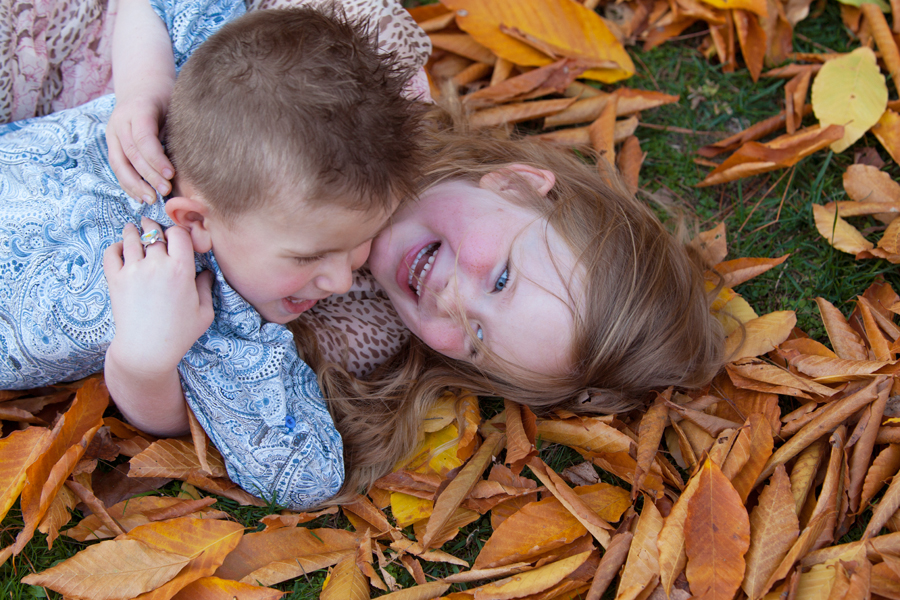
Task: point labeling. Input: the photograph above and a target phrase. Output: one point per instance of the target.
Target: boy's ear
(503, 180)
(193, 214)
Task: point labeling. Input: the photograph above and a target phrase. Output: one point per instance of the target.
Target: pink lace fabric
(54, 54)
(57, 54)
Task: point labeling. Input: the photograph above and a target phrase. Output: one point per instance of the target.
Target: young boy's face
(283, 260)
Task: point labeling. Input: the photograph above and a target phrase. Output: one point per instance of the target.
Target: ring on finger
(149, 238)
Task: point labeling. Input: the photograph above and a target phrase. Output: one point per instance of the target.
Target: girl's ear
(193, 214)
(503, 180)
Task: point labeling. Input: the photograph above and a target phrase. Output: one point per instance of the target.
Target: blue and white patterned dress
(60, 208)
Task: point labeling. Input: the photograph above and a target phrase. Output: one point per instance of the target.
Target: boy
(292, 143)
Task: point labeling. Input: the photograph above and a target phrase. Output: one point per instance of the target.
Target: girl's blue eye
(479, 333)
(502, 280)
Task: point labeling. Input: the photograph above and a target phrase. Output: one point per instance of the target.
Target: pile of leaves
(717, 492)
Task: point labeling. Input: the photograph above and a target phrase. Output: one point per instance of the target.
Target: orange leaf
(757, 7)
(773, 530)
(70, 438)
(139, 511)
(568, 27)
(712, 244)
(885, 466)
(670, 542)
(602, 132)
(428, 591)
(520, 434)
(546, 525)
(739, 270)
(752, 39)
(716, 536)
(213, 588)
(760, 335)
(207, 545)
(865, 183)
(754, 158)
(756, 442)
(629, 161)
(554, 77)
(112, 570)
(574, 504)
(844, 339)
(452, 496)
(887, 130)
(531, 582)
(464, 45)
(18, 451)
(276, 555)
(649, 436)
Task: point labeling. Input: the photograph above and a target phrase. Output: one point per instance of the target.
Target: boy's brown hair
(294, 99)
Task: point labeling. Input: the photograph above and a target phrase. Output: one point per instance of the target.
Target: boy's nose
(336, 275)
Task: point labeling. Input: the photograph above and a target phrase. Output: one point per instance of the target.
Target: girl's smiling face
(465, 262)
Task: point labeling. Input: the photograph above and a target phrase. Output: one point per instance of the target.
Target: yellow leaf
(760, 335)
(887, 130)
(111, 570)
(839, 233)
(213, 588)
(567, 27)
(409, 509)
(531, 582)
(852, 92)
(346, 582)
(758, 7)
(774, 528)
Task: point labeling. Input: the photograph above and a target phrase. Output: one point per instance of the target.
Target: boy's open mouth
(418, 271)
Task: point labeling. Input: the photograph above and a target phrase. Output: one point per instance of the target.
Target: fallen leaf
(851, 92)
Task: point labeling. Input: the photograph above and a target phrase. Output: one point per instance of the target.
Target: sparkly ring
(151, 237)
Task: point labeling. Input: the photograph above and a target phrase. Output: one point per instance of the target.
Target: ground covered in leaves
(770, 121)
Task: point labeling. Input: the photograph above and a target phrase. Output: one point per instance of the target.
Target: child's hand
(135, 152)
(160, 305)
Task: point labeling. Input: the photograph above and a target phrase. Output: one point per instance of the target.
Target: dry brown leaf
(885, 466)
(629, 161)
(824, 423)
(803, 473)
(642, 566)
(716, 536)
(865, 183)
(429, 591)
(801, 546)
(58, 515)
(531, 582)
(346, 582)
(18, 451)
(887, 130)
(773, 530)
(276, 555)
(603, 132)
(672, 557)
(175, 458)
(554, 77)
(760, 335)
(520, 431)
(69, 440)
(452, 496)
(845, 341)
(754, 158)
(609, 564)
(518, 112)
(464, 45)
(862, 450)
(112, 570)
(542, 526)
(739, 270)
(596, 526)
(140, 511)
(569, 28)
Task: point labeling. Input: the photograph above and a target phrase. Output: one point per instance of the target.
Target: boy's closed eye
(307, 260)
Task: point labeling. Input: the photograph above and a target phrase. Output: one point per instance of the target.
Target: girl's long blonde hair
(644, 324)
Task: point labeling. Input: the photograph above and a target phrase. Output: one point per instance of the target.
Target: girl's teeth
(422, 277)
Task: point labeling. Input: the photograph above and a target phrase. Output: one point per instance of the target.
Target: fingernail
(167, 173)
(146, 198)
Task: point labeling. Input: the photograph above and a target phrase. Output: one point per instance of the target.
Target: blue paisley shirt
(60, 208)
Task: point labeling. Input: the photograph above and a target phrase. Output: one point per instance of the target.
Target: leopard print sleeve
(358, 330)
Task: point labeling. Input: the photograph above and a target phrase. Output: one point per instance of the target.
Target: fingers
(138, 159)
(112, 260)
(132, 249)
(129, 179)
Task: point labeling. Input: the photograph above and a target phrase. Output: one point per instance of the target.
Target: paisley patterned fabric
(60, 208)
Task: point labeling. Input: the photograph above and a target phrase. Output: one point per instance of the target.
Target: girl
(549, 284)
